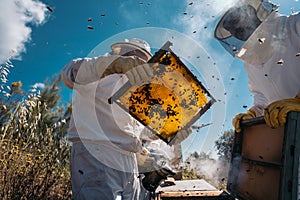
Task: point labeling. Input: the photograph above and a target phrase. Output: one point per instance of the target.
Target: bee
(90, 27)
(261, 40)
(50, 9)
(280, 62)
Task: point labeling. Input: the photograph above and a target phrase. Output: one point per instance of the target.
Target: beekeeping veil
(132, 44)
(239, 22)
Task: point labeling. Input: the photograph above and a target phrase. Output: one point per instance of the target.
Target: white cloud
(15, 18)
(203, 13)
(201, 18)
(199, 23)
(38, 85)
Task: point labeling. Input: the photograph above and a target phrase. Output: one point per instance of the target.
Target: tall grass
(34, 152)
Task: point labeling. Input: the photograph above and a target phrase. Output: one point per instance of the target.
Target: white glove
(143, 157)
(139, 74)
(180, 136)
(123, 64)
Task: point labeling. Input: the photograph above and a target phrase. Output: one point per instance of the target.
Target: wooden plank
(289, 176)
(297, 156)
(190, 194)
(263, 144)
(253, 121)
(295, 117)
(190, 189)
(235, 165)
(283, 158)
(187, 185)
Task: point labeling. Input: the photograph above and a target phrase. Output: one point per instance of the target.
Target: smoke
(201, 17)
(15, 18)
(214, 171)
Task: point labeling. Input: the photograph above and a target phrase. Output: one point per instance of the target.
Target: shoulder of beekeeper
(95, 80)
(274, 67)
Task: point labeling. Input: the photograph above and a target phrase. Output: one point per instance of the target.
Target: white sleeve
(86, 70)
(293, 27)
(260, 101)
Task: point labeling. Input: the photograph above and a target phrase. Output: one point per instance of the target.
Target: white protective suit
(105, 138)
(269, 53)
(271, 60)
(273, 67)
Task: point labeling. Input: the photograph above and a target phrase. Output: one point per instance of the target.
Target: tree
(202, 166)
(224, 145)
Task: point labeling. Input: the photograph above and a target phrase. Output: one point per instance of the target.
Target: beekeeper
(269, 45)
(106, 144)
(104, 137)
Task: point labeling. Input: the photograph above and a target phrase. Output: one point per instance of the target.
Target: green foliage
(193, 166)
(224, 145)
(34, 152)
(191, 174)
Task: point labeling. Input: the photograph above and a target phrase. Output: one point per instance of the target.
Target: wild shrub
(34, 152)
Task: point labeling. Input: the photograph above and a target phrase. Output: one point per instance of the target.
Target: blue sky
(42, 42)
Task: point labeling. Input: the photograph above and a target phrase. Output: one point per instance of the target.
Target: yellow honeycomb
(171, 100)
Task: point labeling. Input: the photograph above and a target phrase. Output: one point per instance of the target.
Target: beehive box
(190, 190)
(173, 100)
(265, 161)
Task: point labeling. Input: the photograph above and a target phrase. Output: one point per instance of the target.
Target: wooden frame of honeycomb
(173, 100)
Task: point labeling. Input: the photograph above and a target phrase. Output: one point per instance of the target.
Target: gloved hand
(87, 70)
(275, 114)
(180, 136)
(143, 157)
(123, 64)
(242, 116)
(139, 74)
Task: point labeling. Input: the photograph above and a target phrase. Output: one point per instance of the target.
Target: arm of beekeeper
(293, 27)
(275, 114)
(176, 160)
(147, 136)
(87, 70)
(143, 158)
(256, 110)
(139, 74)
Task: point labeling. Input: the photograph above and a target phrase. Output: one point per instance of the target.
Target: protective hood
(264, 42)
(260, 10)
(131, 44)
